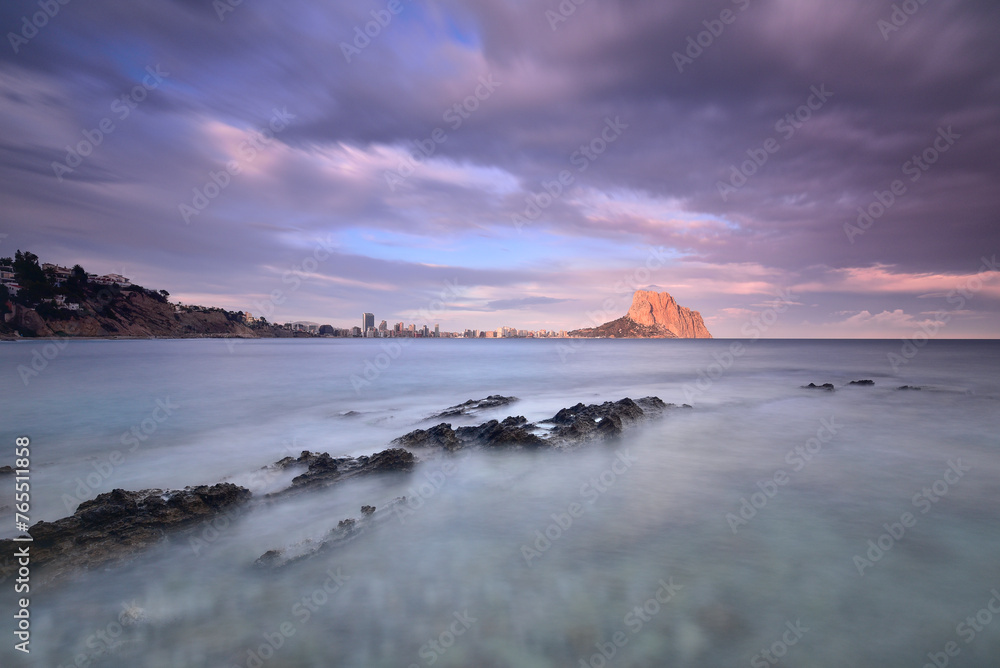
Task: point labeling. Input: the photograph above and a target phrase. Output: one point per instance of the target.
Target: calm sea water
(735, 533)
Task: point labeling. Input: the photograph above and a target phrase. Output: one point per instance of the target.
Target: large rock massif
(653, 315)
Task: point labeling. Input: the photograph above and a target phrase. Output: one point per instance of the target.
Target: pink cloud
(881, 279)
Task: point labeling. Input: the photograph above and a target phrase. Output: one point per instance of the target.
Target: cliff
(653, 315)
(658, 309)
(130, 313)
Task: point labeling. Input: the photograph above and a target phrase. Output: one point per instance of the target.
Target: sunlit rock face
(653, 315)
(661, 311)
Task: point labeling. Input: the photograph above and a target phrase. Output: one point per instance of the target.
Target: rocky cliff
(658, 309)
(652, 315)
(130, 313)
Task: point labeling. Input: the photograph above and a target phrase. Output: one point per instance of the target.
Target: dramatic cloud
(543, 160)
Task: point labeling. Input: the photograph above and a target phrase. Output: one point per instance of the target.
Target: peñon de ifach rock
(653, 315)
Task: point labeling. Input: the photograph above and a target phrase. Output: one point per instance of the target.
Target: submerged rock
(6, 470)
(909, 387)
(825, 386)
(132, 615)
(117, 525)
(721, 621)
(862, 382)
(346, 531)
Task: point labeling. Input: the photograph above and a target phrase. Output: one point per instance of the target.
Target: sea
(765, 524)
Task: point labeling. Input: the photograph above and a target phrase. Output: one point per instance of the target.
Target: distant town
(403, 330)
(368, 330)
(54, 290)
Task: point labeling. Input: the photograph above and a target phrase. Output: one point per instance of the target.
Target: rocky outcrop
(511, 432)
(438, 436)
(582, 423)
(474, 405)
(117, 525)
(323, 470)
(652, 315)
(567, 429)
(570, 427)
(866, 383)
(813, 386)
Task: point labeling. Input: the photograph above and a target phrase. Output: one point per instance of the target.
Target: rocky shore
(115, 527)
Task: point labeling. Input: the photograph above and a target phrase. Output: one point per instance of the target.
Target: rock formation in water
(566, 430)
(474, 405)
(117, 526)
(323, 470)
(570, 427)
(653, 315)
(825, 386)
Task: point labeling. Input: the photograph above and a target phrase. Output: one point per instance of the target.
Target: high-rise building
(437, 331)
(367, 322)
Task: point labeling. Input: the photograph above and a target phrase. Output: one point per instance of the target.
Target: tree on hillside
(35, 286)
(26, 268)
(75, 286)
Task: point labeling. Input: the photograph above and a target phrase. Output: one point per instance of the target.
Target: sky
(828, 168)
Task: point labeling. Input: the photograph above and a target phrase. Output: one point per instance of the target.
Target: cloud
(415, 97)
(923, 285)
(886, 318)
(521, 303)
